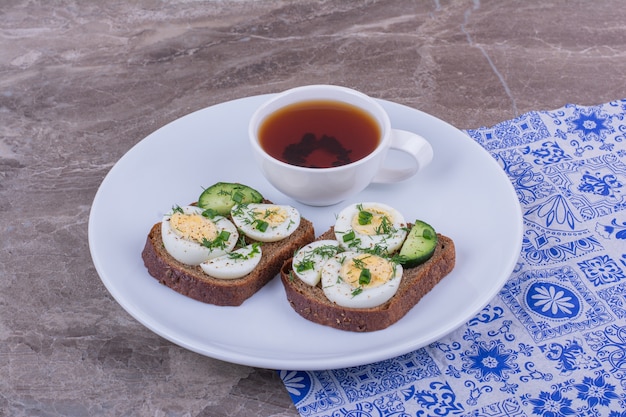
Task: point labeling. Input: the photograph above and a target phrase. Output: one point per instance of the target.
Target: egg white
(235, 264)
(338, 290)
(190, 252)
(352, 236)
(308, 260)
(250, 218)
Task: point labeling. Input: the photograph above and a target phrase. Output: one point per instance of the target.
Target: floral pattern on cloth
(553, 342)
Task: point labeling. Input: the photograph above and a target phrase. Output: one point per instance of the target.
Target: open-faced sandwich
(226, 246)
(368, 270)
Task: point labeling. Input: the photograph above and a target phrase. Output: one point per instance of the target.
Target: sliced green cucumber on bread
(226, 247)
(368, 270)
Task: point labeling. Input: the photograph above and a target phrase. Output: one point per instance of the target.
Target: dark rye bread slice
(311, 303)
(194, 283)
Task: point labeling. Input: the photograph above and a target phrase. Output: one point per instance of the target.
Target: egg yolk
(272, 215)
(376, 222)
(380, 270)
(193, 227)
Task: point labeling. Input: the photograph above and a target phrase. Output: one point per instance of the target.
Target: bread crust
(192, 282)
(311, 303)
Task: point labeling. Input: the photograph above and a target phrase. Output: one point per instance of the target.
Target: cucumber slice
(222, 196)
(420, 244)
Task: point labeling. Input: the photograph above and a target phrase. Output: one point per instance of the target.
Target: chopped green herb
(237, 255)
(177, 209)
(218, 242)
(398, 259)
(326, 251)
(260, 225)
(355, 243)
(428, 234)
(255, 248)
(385, 227)
(253, 251)
(305, 265)
(379, 250)
(223, 236)
(358, 263)
(238, 197)
(209, 213)
(365, 217)
(268, 213)
(357, 291)
(365, 277)
(239, 210)
(349, 236)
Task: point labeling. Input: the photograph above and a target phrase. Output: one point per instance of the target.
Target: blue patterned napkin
(553, 342)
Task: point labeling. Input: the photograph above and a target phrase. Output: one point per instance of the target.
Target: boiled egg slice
(235, 264)
(266, 222)
(360, 280)
(191, 238)
(370, 227)
(308, 260)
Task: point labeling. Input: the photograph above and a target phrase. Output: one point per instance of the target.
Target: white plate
(464, 194)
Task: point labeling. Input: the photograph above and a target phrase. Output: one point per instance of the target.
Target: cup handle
(412, 144)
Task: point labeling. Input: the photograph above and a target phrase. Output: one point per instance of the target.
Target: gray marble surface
(82, 82)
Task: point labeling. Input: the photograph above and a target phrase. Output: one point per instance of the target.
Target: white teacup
(324, 186)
